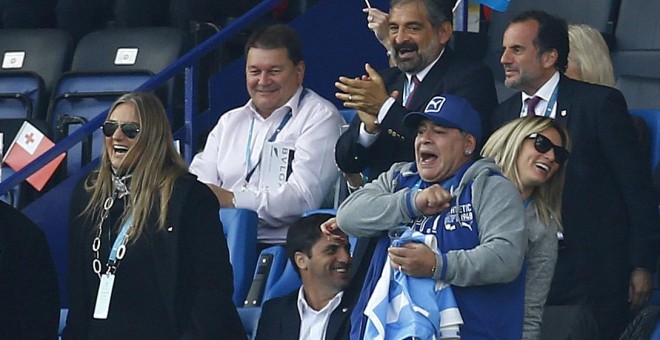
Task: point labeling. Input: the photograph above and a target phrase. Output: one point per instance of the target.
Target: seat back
(107, 64)
(638, 51)
(20, 94)
(32, 60)
(652, 119)
(240, 228)
(250, 320)
(81, 96)
(288, 281)
(130, 49)
(270, 266)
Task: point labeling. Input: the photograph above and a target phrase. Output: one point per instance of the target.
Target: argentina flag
(402, 306)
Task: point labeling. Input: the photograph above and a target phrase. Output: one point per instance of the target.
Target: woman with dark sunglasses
(148, 258)
(532, 153)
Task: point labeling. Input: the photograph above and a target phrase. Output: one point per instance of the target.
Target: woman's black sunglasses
(542, 144)
(130, 130)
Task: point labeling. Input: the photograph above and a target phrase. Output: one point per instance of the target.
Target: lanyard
(118, 248)
(248, 151)
(548, 109)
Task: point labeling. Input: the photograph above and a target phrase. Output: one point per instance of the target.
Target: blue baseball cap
(448, 111)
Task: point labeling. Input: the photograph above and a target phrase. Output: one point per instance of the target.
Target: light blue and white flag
(402, 306)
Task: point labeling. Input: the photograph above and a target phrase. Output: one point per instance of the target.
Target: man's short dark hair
(438, 11)
(552, 34)
(303, 234)
(274, 37)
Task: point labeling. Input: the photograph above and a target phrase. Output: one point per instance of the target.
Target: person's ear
(445, 32)
(549, 58)
(300, 71)
(470, 145)
(301, 260)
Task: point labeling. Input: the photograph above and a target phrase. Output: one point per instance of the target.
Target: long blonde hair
(155, 165)
(504, 147)
(589, 52)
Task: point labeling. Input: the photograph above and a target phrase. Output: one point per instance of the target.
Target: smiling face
(415, 41)
(118, 145)
(327, 266)
(535, 168)
(440, 151)
(525, 69)
(272, 78)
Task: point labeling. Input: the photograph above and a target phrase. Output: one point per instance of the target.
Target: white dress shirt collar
(313, 323)
(421, 74)
(292, 104)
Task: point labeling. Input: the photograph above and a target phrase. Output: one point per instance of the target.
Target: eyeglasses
(542, 144)
(131, 130)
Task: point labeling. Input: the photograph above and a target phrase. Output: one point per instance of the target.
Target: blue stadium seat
(652, 119)
(250, 319)
(107, 64)
(240, 228)
(20, 94)
(32, 60)
(81, 96)
(348, 115)
(287, 282)
(270, 266)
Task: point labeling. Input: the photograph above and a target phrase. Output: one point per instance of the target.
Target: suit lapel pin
(344, 310)
(563, 113)
(170, 229)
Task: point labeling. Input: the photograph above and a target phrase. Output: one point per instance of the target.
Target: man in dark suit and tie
(320, 309)
(608, 252)
(425, 67)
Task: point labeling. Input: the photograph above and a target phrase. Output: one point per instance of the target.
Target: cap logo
(435, 104)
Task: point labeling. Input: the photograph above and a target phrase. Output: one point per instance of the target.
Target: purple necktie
(416, 82)
(531, 105)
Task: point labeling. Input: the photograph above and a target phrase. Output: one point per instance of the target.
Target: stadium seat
(270, 266)
(287, 282)
(652, 119)
(637, 53)
(107, 64)
(250, 319)
(240, 228)
(32, 60)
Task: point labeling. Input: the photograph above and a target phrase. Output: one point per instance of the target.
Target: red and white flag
(29, 144)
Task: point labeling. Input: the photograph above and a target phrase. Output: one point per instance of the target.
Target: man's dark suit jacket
(609, 215)
(450, 75)
(29, 295)
(280, 319)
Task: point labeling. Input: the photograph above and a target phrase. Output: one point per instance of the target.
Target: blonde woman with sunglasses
(533, 153)
(148, 258)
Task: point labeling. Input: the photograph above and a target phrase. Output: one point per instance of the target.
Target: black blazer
(280, 319)
(29, 295)
(610, 218)
(450, 75)
(191, 259)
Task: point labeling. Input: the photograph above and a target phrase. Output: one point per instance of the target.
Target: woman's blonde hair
(154, 165)
(589, 52)
(504, 147)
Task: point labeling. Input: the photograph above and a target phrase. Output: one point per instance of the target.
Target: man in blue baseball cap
(475, 213)
(448, 111)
